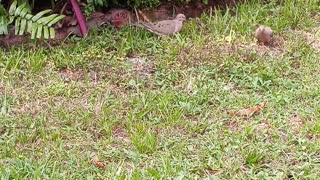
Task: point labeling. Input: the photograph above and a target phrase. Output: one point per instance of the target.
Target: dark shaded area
(193, 8)
(116, 15)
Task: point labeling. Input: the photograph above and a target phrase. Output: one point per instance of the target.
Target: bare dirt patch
(120, 132)
(71, 75)
(264, 127)
(141, 67)
(233, 125)
(213, 51)
(312, 37)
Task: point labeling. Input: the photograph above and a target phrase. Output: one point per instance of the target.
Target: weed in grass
(254, 157)
(144, 140)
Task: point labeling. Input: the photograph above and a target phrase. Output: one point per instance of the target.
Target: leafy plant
(97, 2)
(143, 3)
(254, 157)
(93, 5)
(37, 25)
(3, 21)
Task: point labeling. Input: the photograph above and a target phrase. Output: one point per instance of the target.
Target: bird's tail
(147, 27)
(137, 25)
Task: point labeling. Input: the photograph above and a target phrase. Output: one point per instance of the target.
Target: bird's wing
(144, 26)
(164, 27)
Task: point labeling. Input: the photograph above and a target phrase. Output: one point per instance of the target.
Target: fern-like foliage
(3, 21)
(98, 2)
(37, 25)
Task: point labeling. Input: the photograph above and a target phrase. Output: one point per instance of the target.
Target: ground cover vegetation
(127, 104)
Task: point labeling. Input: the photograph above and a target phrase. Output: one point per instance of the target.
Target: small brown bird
(264, 35)
(165, 27)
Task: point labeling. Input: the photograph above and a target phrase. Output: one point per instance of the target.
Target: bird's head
(181, 17)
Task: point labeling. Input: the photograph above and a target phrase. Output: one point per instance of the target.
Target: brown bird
(165, 27)
(264, 35)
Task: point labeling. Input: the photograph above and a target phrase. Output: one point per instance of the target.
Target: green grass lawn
(156, 108)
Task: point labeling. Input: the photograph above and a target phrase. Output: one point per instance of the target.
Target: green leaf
(5, 30)
(19, 9)
(3, 11)
(34, 30)
(100, 2)
(1, 30)
(13, 7)
(28, 7)
(24, 12)
(3, 25)
(39, 31)
(29, 16)
(46, 20)
(29, 27)
(40, 14)
(23, 25)
(55, 20)
(11, 19)
(17, 25)
(52, 33)
(3, 20)
(46, 32)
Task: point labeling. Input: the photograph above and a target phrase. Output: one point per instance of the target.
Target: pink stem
(80, 18)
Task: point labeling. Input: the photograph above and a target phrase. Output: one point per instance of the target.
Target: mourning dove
(264, 34)
(165, 27)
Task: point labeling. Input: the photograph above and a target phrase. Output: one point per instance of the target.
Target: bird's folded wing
(164, 27)
(147, 27)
